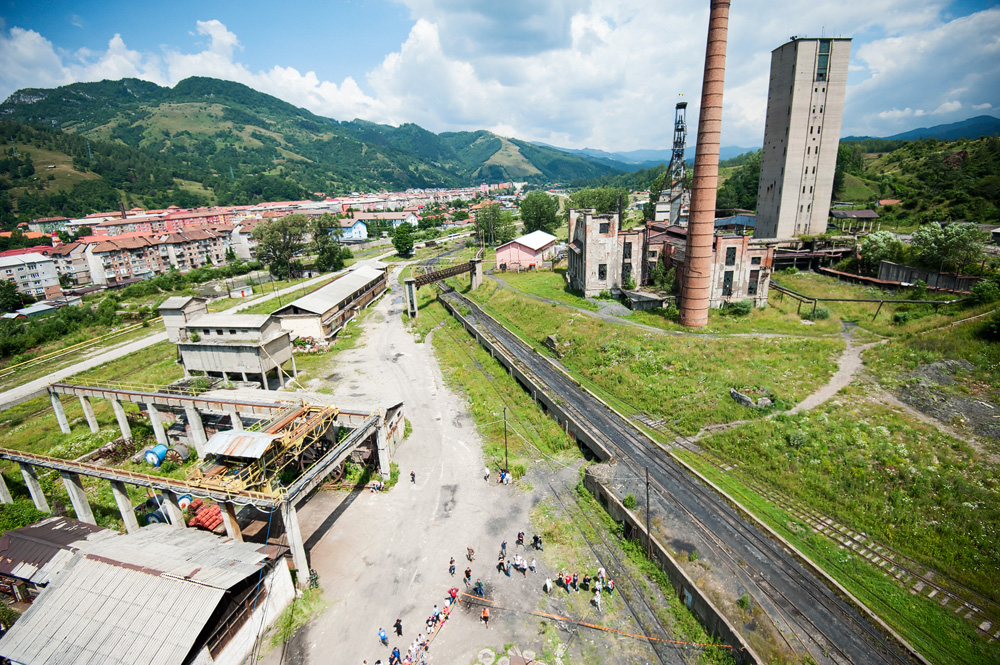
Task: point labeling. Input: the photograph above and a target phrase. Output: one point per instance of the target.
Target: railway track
(827, 627)
(982, 612)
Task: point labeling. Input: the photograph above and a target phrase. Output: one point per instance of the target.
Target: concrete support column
(122, 419)
(234, 417)
(60, 414)
(229, 519)
(88, 412)
(295, 370)
(120, 493)
(78, 497)
(157, 422)
(263, 380)
(477, 273)
(244, 377)
(196, 430)
(173, 510)
(384, 465)
(410, 296)
(5, 496)
(295, 543)
(34, 487)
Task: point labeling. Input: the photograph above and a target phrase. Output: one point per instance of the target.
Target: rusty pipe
(696, 286)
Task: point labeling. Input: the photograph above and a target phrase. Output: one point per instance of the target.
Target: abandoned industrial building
(325, 311)
(245, 347)
(158, 595)
(602, 257)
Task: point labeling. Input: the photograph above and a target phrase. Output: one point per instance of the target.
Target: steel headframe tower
(696, 287)
(677, 168)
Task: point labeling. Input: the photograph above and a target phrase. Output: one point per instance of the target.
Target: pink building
(526, 252)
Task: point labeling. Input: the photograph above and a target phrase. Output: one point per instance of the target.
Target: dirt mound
(927, 391)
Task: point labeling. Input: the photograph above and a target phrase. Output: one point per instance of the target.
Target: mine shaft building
(602, 256)
(234, 346)
(805, 107)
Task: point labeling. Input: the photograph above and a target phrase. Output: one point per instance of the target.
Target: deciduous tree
(326, 231)
(279, 242)
(402, 239)
(877, 247)
(538, 212)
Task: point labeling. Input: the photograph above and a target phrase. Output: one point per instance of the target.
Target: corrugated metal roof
(102, 614)
(239, 443)
(36, 552)
(326, 298)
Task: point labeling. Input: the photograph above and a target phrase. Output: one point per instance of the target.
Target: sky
(572, 73)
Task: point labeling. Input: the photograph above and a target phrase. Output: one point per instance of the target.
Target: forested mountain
(219, 135)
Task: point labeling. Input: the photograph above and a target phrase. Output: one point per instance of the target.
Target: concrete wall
(741, 269)
(708, 614)
(598, 249)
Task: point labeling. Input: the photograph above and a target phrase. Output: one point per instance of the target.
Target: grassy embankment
(875, 469)
(683, 379)
(465, 365)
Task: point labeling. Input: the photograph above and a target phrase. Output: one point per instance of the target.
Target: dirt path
(847, 367)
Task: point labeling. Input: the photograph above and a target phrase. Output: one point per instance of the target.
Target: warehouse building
(322, 313)
(158, 595)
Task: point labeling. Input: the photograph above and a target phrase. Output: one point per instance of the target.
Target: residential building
(48, 224)
(526, 252)
(34, 274)
(354, 230)
(396, 218)
(322, 313)
(805, 106)
(601, 256)
(194, 248)
(113, 260)
(71, 261)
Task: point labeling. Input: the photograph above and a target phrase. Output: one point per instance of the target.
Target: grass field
(547, 284)
(921, 317)
(684, 379)
(64, 175)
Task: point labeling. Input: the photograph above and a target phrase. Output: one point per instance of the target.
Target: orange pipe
(697, 283)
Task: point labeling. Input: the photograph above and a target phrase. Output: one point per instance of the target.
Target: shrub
(919, 290)
(630, 502)
(900, 318)
(819, 314)
(797, 439)
(985, 291)
(745, 601)
(991, 329)
(740, 308)
(792, 270)
(693, 556)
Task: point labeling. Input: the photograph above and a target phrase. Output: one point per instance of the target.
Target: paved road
(32, 389)
(833, 630)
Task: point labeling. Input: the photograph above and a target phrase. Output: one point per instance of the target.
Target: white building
(322, 313)
(354, 229)
(34, 274)
(805, 106)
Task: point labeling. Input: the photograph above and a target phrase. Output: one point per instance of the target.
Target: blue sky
(576, 73)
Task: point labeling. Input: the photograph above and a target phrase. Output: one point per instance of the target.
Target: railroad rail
(836, 630)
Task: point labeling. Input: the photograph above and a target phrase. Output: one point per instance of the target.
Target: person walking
(520, 538)
(611, 588)
(468, 576)
(531, 565)
(548, 585)
(503, 548)
(576, 582)
(597, 599)
(486, 471)
(479, 589)
(382, 637)
(486, 617)
(506, 569)
(399, 629)
(451, 567)
(413, 477)
(470, 554)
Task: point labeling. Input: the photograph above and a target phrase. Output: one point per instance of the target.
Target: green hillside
(218, 133)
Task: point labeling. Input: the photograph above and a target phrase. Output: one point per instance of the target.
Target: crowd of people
(421, 643)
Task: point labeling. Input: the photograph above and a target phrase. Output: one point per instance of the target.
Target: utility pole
(649, 535)
(505, 466)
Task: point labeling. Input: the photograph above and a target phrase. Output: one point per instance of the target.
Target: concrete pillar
(60, 414)
(122, 419)
(263, 380)
(157, 422)
(410, 295)
(5, 496)
(295, 370)
(295, 543)
(229, 519)
(196, 430)
(235, 418)
(88, 412)
(382, 446)
(173, 510)
(477, 273)
(34, 487)
(78, 497)
(120, 493)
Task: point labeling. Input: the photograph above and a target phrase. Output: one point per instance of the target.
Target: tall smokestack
(701, 227)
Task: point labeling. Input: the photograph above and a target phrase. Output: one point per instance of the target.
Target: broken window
(626, 273)
(627, 252)
(730, 256)
(752, 286)
(727, 283)
(755, 261)
(605, 227)
(602, 271)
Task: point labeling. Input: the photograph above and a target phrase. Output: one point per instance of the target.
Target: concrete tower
(696, 286)
(805, 106)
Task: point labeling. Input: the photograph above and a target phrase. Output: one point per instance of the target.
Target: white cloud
(594, 73)
(982, 107)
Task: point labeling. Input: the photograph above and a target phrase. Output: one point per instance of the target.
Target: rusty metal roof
(239, 443)
(36, 552)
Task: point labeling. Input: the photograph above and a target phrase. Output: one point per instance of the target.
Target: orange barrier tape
(595, 626)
